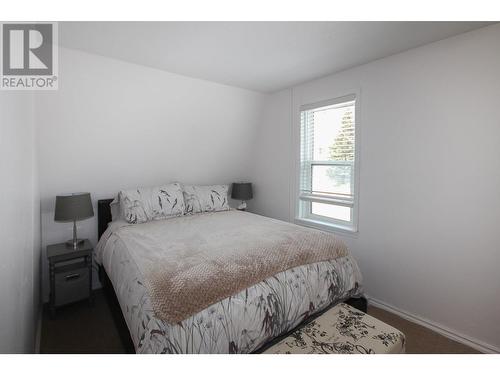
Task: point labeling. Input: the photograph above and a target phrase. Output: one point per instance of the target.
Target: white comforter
(238, 324)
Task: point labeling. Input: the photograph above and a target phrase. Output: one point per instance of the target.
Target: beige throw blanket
(191, 262)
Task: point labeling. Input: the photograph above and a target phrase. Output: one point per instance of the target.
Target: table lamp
(242, 191)
(73, 207)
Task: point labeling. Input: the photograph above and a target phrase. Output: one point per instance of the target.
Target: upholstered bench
(342, 330)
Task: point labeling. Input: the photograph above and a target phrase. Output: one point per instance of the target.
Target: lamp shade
(242, 190)
(73, 207)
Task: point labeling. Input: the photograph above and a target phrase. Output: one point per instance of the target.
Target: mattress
(240, 323)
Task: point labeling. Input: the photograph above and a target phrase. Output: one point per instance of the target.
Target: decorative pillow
(116, 211)
(152, 203)
(207, 198)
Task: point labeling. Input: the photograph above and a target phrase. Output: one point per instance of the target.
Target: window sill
(329, 227)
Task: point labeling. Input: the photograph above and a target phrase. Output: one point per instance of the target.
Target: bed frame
(103, 219)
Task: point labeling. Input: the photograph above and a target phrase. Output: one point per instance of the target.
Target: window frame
(302, 211)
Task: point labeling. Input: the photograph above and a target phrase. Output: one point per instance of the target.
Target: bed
(244, 321)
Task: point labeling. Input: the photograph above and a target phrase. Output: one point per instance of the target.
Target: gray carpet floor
(420, 340)
(78, 328)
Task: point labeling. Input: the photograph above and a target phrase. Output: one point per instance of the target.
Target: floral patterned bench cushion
(342, 330)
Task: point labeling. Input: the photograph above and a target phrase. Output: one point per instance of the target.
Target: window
(327, 191)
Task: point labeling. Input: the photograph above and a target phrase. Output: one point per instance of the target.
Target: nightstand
(70, 274)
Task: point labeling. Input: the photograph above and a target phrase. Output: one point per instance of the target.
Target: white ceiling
(261, 56)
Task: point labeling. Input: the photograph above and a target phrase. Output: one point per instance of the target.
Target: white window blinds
(327, 160)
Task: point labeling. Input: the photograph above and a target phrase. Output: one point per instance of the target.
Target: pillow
(115, 209)
(152, 203)
(209, 198)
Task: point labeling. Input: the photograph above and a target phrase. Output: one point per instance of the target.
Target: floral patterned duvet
(239, 324)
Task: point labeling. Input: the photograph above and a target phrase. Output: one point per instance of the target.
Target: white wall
(429, 209)
(272, 158)
(114, 125)
(19, 225)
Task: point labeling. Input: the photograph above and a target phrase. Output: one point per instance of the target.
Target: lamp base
(71, 243)
(242, 206)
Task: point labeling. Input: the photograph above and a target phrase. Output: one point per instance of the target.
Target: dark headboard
(103, 215)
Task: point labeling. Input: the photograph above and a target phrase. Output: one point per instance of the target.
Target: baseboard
(38, 333)
(447, 332)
